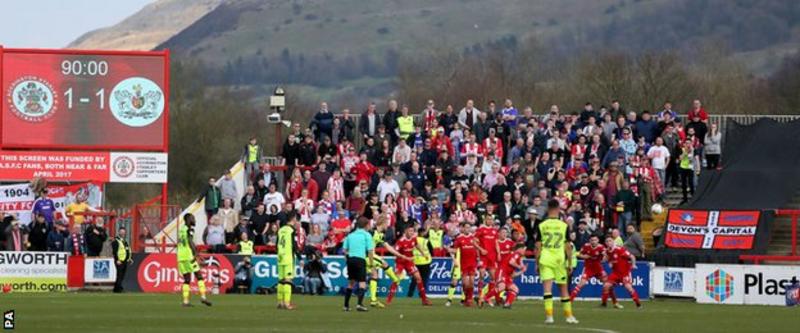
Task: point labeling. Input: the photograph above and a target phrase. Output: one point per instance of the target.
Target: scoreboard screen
(95, 100)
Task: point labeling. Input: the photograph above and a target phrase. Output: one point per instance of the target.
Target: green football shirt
(184, 247)
(286, 245)
(553, 235)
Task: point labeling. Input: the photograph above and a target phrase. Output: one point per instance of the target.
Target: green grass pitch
(142, 313)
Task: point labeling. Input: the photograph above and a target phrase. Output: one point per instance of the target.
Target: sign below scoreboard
(114, 167)
(89, 100)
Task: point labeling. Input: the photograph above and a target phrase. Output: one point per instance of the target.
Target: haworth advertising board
(33, 271)
(71, 99)
(744, 284)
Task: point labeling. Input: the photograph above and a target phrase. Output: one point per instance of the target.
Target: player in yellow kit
(287, 247)
(187, 261)
(377, 263)
(553, 258)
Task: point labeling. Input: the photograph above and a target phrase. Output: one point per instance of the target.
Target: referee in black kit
(358, 248)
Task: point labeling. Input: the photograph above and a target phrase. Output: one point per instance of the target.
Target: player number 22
(552, 240)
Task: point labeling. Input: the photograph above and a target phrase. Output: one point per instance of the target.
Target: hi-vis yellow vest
(422, 258)
(246, 247)
(122, 252)
(252, 153)
(436, 238)
(406, 126)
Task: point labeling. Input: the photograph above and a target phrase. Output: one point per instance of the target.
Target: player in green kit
(287, 247)
(187, 261)
(554, 260)
(377, 263)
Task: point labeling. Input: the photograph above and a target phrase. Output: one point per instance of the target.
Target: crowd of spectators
(606, 166)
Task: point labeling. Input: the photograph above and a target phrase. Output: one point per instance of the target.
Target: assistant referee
(358, 248)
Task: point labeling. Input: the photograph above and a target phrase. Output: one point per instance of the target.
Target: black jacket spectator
(56, 239)
(291, 152)
(363, 123)
(37, 236)
(322, 123)
(95, 237)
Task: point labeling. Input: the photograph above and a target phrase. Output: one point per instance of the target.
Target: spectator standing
(625, 201)
(16, 236)
(76, 242)
(634, 242)
(387, 186)
(229, 218)
(76, 210)
(509, 114)
(249, 201)
(369, 122)
(697, 111)
(95, 237)
(252, 158)
(468, 116)
(37, 234)
(713, 148)
(45, 207)
(390, 120)
(322, 123)
(647, 127)
(686, 169)
(273, 198)
(122, 257)
(659, 155)
(57, 237)
(244, 227)
(228, 189)
(405, 124)
(259, 223)
(212, 196)
(448, 119)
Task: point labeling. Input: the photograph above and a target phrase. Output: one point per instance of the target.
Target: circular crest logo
(123, 166)
(31, 99)
(137, 102)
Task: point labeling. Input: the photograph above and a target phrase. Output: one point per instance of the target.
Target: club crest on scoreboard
(137, 102)
(31, 99)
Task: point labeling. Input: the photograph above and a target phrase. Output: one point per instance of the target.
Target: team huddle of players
(486, 253)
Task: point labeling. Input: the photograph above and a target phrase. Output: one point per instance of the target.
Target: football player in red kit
(505, 246)
(510, 268)
(622, 262)
(487, 236)
(469, 249)
(406, 245)
(592, 254)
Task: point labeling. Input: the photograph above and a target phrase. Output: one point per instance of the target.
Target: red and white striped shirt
(336, 188)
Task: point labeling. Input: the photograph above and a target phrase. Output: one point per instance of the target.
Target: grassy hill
(319, 44)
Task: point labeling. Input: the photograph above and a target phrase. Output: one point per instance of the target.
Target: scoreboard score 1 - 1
(89, 100)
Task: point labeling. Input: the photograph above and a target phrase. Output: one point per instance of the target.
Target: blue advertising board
(266, 272)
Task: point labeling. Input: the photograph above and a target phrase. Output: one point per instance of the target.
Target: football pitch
(97, 312)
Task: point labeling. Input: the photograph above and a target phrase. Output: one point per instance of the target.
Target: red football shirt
(487, 236)
(406, 246)
(619, 259)
(469, 253)
(594, 262)
(506, 248)
(514, 258)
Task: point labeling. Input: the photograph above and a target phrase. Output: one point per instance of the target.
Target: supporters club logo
(137, 102)
(719, 285)
(31, 99)
(123, 166)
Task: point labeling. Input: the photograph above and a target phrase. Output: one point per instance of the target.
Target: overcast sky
(55, 23)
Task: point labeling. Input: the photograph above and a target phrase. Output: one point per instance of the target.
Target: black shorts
(356, 269)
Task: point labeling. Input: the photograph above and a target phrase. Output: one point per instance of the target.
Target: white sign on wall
(744, 284)
(673, 281)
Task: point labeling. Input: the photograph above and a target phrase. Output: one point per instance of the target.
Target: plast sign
(159, 273)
